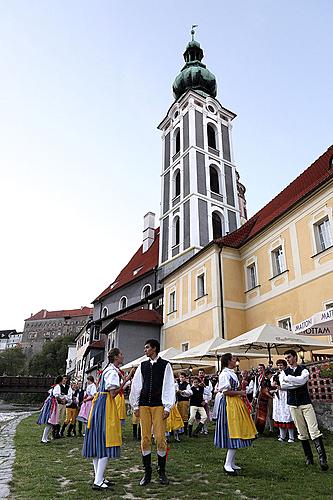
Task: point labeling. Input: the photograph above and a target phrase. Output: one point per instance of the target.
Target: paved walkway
(7, 450)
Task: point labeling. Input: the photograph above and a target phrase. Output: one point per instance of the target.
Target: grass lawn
(271, 470)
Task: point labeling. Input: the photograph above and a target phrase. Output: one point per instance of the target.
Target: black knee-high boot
(198, 429)
(139, 432)
(146, 460)
(321, 453)
(307, 451)
(190, 429)
(161, 470)
(135, 431)
(62, 432)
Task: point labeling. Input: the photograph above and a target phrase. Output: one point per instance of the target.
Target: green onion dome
(194, 75)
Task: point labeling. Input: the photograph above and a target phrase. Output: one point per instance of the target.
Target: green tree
(12, 362)
(52, 359)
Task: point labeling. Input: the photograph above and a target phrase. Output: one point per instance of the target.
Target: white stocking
(101, 466)
(291, 433)
(46, 433)
(283, 432)
(95, 463)
(229, 460)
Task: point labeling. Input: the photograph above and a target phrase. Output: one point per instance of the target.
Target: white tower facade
(199, 198)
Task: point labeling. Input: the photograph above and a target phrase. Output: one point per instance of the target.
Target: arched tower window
(123, 302)
(217, 221)
(105, 312)
(211, 135)
(176, 181)
(146, 291)
(176, 231)
(176, 138)
(214, 179)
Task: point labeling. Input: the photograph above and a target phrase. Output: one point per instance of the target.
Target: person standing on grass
(103, 437)
(152, 396)
(234, 426)
(281, 411)
(87, 400)
(197, 404)
(183, 394)
(49, 414)
(294, 380)
(204, 380)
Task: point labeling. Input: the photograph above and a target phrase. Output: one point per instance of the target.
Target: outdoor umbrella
(273, 340)
(320, 323)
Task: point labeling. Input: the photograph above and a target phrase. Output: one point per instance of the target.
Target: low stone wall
(324, 412)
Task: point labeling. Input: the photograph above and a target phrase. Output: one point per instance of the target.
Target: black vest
(182, 387)
(152, 382)
(299, 396)
(197, 397)
(64, 389)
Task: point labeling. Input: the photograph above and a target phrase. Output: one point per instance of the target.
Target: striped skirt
(49, 408)
(222, 439)
(94, 445)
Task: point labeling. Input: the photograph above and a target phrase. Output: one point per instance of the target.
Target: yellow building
(276, 268)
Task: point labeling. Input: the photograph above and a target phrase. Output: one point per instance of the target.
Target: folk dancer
(87, 400)
(197, 403)
(294, 380)
(234, 426)
(80, 395)
(281, 411)
(103, 438)
(204, 380)
(183, 394)
(174, 423)
(71, 410)
(49, 414)
(152, 397)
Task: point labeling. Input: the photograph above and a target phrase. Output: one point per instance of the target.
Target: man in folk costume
(294, 380)
(152, 396)
(183, 394)
(261, 386)
(204, 381)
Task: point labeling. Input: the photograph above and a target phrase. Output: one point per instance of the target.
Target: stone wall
(324, 412)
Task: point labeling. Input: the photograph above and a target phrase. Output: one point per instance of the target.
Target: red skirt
(285, 425)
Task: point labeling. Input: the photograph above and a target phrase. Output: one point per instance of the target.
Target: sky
(83, 87)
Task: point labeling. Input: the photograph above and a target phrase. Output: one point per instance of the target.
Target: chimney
(148, 231)
(44, 313)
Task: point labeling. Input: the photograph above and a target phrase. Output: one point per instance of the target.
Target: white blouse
(224, 380)
(91, 389)
(111, 378)
(56, 391)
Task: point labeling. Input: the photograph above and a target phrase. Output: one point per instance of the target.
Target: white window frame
(251, 284)
(214, 127)
(329, 305)
(174, 141)
(278, 261)
(201, 276)
(285, 319)
(185, 344)
(216, 209)
(143, 289)
(120, 301)
(174, 244)
(172, 301)
(107, 312)
(323, 236)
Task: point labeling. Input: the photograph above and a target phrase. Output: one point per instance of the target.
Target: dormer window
(135, 272)
(123, 302)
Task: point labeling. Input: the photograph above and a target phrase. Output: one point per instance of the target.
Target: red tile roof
(312, 178)
(72, 313)
(143, 262)
(142, 316)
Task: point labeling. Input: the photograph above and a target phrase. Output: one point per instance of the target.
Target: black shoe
(62, 432)
(69, 430)
(103, 486)
(307, 452)
(161, 470)
(198, 429)
(190, 429)
(230, 473)
(146, 460)
(321, 453)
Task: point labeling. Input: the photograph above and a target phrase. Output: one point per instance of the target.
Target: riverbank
(270, 470)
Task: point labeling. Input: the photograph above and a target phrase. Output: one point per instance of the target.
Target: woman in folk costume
(49, 414)
(174, 421)
(103, 435)
(87, 400)
(281, 411)
(234, 426)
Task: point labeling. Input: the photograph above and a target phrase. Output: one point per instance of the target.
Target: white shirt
(168, 387)
(289, 382)
(56, 391)
(224, 380)
(91, 389)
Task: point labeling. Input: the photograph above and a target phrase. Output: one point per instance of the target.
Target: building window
(96, 333)
(146, 291)
(214, 180)
(184, 346)
(176, 231)
(322, 232)
(123, 302)
(329, 305)
(172, 302)
(278, 265)
(200, 285)
(176, 141)
(176, 184)
(105, 312)
(211, 135)
(217, 225)
(251, 276)
(285, 323)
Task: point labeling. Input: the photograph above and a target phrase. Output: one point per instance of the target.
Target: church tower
(200, 187)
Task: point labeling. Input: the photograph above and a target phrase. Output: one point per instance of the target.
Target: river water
(10, 416)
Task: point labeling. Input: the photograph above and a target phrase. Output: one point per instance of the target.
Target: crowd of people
(242, 405)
